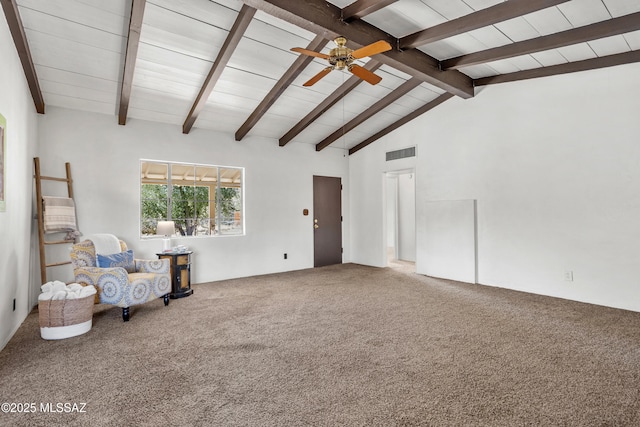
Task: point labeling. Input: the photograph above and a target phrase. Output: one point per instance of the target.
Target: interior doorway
(327, 221)
(400, 210)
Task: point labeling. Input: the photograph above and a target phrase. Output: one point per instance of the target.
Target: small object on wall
(305, 212)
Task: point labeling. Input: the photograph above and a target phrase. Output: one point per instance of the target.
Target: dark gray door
(327, 220)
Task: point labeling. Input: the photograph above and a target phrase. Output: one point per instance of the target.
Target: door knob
(316, 226)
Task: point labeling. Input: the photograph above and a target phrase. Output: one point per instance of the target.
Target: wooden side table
(180, 273)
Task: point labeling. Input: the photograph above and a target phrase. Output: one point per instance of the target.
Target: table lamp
(166, 229)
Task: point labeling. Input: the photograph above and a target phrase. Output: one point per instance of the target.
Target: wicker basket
(65, 318)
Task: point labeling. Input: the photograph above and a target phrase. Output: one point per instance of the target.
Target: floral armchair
(149, 279)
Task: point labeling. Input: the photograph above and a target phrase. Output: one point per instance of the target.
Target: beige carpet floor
(343, 345)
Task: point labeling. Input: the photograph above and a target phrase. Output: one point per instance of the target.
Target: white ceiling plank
(609, 45)
(490, 37)
(171, 60)
(183, 34)
(481, 70)
(500, 67)
(518, 29)
(577, 52)
(519, 63)
(622, 7)
(151, 70)
(548, 58)
(584, 12)
(283, 26)
(221, 117)
(482, 4)
(76, 79)
(524, 62)
(385, 69)
(273, 124)
(79, 92)
(289, 109)
(58, 100)
(53, 26)
(152, 100)
(158, 82)
(212, 12)
(633, 39)
(340, 3)
(116, 7)
(70, 55)
(401, 109)
(444, 49)
(450, 9)
(426, 92)
(257, 57)
(548, 21)
(154, 116)
(275, 37)
(405, 17)
(81, 13)
(315, 132)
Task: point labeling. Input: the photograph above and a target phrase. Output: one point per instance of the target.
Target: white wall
(16, 105)
(406, 217)
(368, 190)
(392, 213)
(554, 165)
(105, 158)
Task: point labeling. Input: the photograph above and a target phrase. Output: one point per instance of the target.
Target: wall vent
(401, 154)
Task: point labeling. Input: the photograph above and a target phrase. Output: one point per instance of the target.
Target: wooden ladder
(40, 203)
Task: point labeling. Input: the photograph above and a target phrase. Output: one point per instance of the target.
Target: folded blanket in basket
(57, 290)
(59, 214)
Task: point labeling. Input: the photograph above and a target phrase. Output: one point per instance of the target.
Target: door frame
(385, 177)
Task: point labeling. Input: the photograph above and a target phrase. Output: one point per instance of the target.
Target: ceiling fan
(342, 57)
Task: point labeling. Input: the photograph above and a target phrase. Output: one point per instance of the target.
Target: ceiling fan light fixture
(341, 57)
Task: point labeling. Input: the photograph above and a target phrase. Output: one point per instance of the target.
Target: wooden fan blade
(365, 74)
(313, 80)
(310, 52)
(372, 49)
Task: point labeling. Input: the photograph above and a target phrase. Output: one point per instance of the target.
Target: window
(202, 200)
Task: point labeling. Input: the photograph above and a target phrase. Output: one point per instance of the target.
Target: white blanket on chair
(105, 244)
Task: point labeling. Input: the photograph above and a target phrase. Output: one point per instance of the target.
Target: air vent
(401, 154)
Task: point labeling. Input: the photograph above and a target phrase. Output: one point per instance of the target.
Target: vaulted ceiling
(226, 65)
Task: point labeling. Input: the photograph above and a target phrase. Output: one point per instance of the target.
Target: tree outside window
(201, 199)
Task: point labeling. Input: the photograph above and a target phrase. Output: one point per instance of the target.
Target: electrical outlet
(568, 276)
(285, 256)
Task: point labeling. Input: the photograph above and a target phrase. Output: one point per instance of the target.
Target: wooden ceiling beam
(133, 41)
(323, 18)
(406, 119)
(228, 47)
(361, 8)
(356, 10)
(281, 85)
(353, 81)
(571, 67)
(16, 28)
(396, 94)
(611, 27)
(481, 18)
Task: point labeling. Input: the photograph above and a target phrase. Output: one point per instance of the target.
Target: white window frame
(217, 218)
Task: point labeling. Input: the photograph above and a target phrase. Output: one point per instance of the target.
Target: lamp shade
(166, 228)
